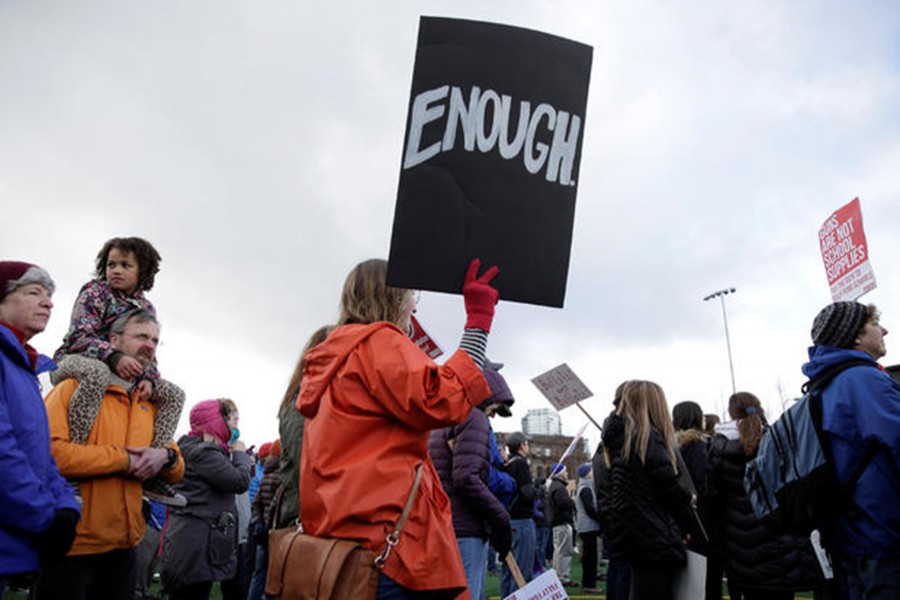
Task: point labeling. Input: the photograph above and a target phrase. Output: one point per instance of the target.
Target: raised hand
(480, 296)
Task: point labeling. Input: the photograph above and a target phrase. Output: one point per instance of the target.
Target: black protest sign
(491, 159)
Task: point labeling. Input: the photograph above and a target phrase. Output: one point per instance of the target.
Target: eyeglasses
(143, 338)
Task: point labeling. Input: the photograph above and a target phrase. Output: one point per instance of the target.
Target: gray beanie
(515, 440)
(838, 324)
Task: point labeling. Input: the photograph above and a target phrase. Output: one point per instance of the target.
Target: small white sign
(562, 387)
(545, 587)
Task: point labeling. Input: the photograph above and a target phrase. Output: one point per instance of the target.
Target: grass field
(492, 588)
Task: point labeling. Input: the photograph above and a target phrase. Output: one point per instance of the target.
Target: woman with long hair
(290, 432)
(649, 512)
(287, 464)
(370, 397)
(759, 561)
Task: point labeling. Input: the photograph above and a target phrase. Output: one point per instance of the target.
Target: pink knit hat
(206, 417)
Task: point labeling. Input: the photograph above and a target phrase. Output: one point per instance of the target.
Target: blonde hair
(643, 407)
(367, 298)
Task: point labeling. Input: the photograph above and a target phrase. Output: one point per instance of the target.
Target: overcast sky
(258, 146)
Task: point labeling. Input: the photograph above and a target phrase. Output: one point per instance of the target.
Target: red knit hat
(14, 274)
(276, 448)
(265, 450)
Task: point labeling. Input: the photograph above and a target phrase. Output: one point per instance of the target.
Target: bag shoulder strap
(393, 538)
(409, 502)
(271, 517)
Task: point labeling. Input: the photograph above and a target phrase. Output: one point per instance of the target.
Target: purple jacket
(464, 471)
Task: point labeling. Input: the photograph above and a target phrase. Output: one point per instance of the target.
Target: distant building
(541, 421)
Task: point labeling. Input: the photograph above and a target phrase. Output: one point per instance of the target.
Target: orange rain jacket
(111, 517)
(370, 397)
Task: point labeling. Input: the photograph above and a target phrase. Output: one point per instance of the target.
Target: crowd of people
(97, 495)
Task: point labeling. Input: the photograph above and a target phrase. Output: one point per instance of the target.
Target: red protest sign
(424, 341)
(845, 253)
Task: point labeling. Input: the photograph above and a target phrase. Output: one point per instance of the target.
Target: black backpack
(792, 483)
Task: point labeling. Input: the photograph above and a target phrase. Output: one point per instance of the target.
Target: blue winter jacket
(31, 488)
(862, 405)
(255, 481)
(499, 481)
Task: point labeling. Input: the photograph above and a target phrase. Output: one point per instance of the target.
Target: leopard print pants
(93, 378)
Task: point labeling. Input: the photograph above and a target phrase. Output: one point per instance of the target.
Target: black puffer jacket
(756, 555)
(643, 509)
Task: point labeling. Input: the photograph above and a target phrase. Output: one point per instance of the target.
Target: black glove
(501, 538)
(56, 542)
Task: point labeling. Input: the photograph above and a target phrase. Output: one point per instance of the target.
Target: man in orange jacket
(109, 469)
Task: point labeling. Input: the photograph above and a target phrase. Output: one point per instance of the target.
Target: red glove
(480, 297)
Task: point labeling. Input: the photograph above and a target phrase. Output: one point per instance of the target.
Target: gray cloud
(258, 145)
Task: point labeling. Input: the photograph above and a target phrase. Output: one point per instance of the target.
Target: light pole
(721, 296)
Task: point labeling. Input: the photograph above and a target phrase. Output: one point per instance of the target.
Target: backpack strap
(871, 450)
(815, 388)
(824, 378)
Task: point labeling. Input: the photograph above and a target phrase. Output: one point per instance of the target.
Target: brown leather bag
(305, 567)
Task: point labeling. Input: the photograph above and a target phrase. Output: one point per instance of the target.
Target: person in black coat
(648, 515)
(760, 561)
(521, 513)
(618, 572)
(562, 511)
(693, 443)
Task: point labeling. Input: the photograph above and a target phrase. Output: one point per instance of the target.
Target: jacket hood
(690, 436)
(614, 433)
(823, 357)
(325, 360)
(500, 392)
(728, 447)
(206, 417)
(728, 430)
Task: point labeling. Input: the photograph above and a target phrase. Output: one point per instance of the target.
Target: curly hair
(147, 257)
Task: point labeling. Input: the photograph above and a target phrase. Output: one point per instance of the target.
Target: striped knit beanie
(838, 324)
